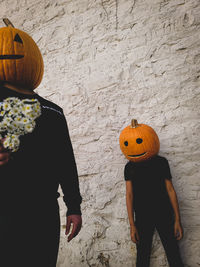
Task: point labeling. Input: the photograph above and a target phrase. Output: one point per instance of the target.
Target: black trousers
(165, 227)
(30, 238)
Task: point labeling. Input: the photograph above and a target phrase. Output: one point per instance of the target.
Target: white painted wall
(106, 62)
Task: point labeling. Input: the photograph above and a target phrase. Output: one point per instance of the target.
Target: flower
(6, 106)
(14, 111)
(25, 120)
(6, 121)
(29, 127)
(2, 113)
(17, 117)
(11, 142)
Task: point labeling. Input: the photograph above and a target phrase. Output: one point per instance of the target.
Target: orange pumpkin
(139, 142)
(21, 62)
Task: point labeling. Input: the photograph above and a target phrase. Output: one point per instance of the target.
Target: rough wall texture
(106, 62)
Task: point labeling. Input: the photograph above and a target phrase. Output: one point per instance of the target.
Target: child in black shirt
(151, 196)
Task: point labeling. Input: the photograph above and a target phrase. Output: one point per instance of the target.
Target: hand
(178, 230)
(76, 221)
(4, 154)
(134, 234)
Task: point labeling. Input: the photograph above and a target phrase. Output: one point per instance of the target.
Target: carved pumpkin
(21, 62)
(139, 142)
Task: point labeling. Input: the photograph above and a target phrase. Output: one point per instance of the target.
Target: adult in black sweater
(29, 181)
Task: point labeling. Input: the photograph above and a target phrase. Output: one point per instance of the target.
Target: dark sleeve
(166, 169)
(127, 172)
(68, 171)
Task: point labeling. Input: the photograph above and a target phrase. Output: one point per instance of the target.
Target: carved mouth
(139, 155)
(11, 56)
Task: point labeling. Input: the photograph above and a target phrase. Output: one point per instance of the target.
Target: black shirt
(148, 181)
(44, 160)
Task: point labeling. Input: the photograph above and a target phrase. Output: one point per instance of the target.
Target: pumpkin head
(21, 62)
(139, 142)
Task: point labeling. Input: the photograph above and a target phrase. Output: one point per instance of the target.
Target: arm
(178, 231)
(69, 182)
(4, 154)
(129, 205)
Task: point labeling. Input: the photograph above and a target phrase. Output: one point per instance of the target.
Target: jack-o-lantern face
(21, 62)
(139, 142)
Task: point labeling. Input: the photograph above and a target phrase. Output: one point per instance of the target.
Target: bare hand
(134, 234)
(178, 230)
(4, 154)
(76, 222)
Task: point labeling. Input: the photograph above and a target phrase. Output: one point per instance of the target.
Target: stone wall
(106, 62)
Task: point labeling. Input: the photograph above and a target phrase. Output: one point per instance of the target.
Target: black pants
(30, 238)
(165, 227)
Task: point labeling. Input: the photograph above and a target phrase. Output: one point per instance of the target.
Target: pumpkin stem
(134, 123)
(8, 22)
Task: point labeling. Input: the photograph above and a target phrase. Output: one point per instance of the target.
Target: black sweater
(44, 161)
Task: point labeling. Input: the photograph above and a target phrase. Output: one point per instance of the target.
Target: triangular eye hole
(18, 39)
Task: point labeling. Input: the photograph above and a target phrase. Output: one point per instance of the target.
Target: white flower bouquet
(17, 117)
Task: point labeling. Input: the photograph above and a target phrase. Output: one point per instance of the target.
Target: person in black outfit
(29, 181)
(151, 195)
